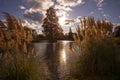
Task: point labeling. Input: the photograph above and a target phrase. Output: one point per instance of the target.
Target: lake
(57, 56)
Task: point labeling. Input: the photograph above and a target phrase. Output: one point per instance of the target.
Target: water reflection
(57, 57)
(51, 59)
(63, 56)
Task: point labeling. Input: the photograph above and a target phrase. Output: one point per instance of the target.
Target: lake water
(57, 56)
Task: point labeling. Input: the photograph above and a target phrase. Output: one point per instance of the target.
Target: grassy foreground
(17, 58)
(99, 57)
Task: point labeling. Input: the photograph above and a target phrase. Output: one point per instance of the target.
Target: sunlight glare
(62, 20)
(63, 56)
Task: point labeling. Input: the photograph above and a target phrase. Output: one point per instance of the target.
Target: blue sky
(32, 12)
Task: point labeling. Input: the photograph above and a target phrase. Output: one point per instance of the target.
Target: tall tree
(52, 29)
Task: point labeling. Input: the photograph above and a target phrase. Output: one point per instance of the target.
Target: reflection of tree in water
(57, 58)
(52, 59)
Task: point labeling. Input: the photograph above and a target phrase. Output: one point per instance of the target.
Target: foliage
(99, 53)
(14, 36)
(52, 29)
(21, 67)
(17, 58)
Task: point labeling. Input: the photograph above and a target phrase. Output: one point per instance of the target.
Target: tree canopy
(52, 29)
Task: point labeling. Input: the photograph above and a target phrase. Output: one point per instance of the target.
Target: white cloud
(118, 16)
(64, 8)
(35, 26)
(26, 23)
(34, 15)
(106, 15)
(101, 9)
(41, 5)
(100, 3)
(91, 12)
(69, 22)
(70, 3)
(21, 7)
(80, 18)
(38, 8)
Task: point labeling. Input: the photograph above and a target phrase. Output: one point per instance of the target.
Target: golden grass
(98, 51)
(90, 29)
(15, 36)
(18, 60)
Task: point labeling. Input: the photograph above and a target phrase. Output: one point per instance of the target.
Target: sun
(62, 20)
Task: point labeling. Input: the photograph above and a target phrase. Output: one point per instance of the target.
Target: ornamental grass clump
(18, 60)
(98, 53)
(21, 67)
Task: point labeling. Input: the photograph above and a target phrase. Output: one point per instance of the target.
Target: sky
(32, 12)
